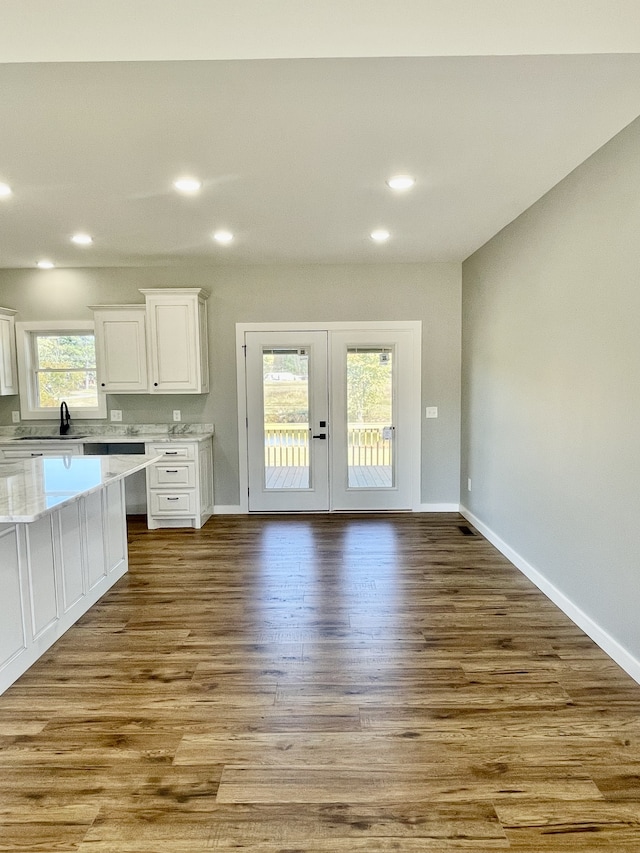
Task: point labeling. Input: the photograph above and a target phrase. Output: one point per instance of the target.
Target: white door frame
(415, 444)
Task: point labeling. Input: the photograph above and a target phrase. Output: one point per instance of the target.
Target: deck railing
(287, 445)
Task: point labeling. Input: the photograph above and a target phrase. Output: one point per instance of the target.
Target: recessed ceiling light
(187, 185)
(5, 190)
(380, 235)
(45, 265)
(82, 239)
(223, 237)
(401, 182)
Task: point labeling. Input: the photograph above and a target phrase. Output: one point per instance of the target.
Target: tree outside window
(65, 369)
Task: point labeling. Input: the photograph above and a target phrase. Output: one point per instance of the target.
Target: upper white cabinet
(121, 348)
(8, 364)
(177, 340)
(160, 347)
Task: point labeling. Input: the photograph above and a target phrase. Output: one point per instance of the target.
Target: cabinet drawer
(173, 451)
(172, 503)
(47, 450)
(172, 474)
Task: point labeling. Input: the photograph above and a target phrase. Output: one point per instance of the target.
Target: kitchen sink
(49, 437)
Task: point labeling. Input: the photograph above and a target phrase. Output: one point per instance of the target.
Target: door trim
(415, 326)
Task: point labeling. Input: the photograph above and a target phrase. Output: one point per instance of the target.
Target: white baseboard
(438, 508)
(602, 638)
(228, 509)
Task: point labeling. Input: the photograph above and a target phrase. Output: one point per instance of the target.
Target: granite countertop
(32, 488)
(157, 438)
(25, 436)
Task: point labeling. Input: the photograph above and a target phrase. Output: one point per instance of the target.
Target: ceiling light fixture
(223, 237)
(187, 185)
(45, 265)
(5, 190)
(401, 182)
(82, 239)
(380, 235)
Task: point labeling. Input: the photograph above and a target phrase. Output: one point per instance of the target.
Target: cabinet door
(43, 587)
(8, 369)
(27, 449)
(121, 349)
(12, 610)
(95, 541)
(176, 350)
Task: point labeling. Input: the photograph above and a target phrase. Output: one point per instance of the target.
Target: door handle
(322, 435)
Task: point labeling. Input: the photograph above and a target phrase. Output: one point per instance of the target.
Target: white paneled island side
(63, 544)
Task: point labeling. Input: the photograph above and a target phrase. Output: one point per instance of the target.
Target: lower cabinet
(13, 601)
(53, 570)
(27, 449)
(180, 484)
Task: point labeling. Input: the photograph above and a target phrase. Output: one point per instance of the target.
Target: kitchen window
(56, 362)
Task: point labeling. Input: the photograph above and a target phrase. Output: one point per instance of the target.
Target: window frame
(25, 332)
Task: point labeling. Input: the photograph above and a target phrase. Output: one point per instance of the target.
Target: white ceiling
(293, 154)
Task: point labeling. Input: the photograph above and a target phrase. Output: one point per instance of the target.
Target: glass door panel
(285, 384)
(369, 386)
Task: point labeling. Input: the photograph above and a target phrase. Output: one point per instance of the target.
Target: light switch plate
(15, 417)
(432, 411)
(116, 414)
(177, 415)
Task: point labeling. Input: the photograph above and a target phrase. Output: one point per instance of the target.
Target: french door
(330, 421)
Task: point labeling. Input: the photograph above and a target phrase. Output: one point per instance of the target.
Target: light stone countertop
(32, 488)
(106, 438)
(87, 432)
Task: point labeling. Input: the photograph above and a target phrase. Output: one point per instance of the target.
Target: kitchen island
(63, 544)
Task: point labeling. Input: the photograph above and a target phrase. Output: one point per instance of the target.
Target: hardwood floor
(320, 685)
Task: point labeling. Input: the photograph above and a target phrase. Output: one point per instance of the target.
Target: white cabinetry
(160, 347)
(25, 449)
(121, 348)
(180, 485)
(13, 638)
(177, 340)
(8, 365)
(53, 569)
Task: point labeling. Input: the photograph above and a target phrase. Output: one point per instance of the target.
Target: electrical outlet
(468, 484)
(116, 414)
(431, 412)
(15, 417)
(177, 416)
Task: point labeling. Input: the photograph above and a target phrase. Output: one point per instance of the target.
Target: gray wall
(431, 293)
(551, 387)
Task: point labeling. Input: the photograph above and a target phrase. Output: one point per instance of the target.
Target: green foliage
(66, 370)
(286, 403)
(369, 388)
(66, 351)
(369, 382)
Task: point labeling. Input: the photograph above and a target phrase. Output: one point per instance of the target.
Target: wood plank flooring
(321, 684)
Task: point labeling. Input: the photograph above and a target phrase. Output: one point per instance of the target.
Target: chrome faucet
(65, 418)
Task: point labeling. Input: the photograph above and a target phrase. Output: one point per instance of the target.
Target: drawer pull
(171, 453)
(170, 470)
(173, 499)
